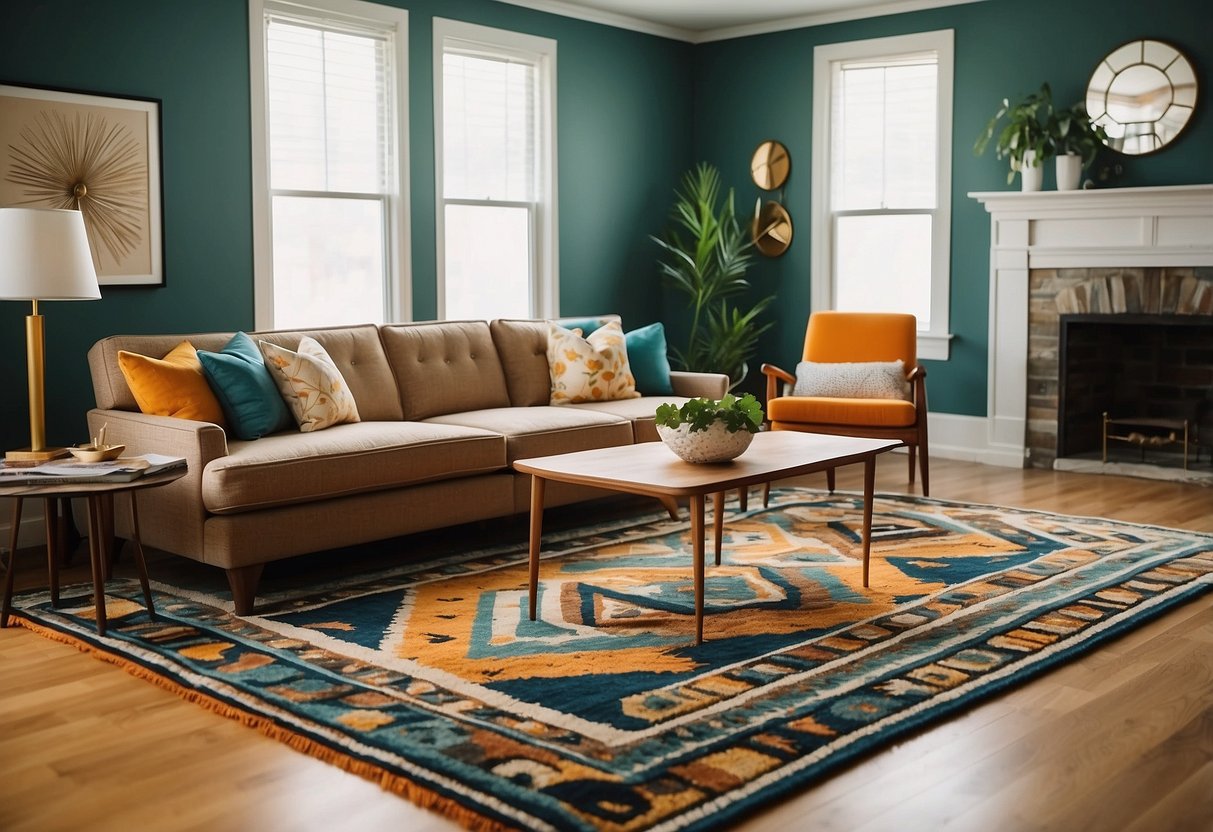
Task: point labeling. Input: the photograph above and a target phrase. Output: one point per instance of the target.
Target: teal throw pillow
(648, 361)
(586, 325)
(246, 391)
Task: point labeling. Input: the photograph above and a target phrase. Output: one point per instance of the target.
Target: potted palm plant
(1076, 141)
(707, 253)
(1024, 139)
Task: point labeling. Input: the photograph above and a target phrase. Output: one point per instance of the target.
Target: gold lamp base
(32, 457)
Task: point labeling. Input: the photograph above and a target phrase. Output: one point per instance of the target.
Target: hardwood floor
(1120, 739)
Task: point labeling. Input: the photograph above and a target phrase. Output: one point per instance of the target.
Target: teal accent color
(1003, 48)
(634, 111)
(586, 325)
(648, 360)
(242, 383)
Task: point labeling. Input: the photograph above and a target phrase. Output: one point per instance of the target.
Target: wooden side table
(99, 496)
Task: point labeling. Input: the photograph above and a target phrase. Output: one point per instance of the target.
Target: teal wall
(757, 88)
(634, 112)
(624, 114)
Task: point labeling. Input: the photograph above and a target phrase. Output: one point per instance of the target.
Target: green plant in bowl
(707, 430)
(733, 412)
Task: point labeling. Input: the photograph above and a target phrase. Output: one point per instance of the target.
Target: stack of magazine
(71, 471)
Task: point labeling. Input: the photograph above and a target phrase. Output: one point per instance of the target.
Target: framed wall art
(97, 153)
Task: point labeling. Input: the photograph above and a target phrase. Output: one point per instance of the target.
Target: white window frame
(933, 343)
(545, 300)
(398, 256)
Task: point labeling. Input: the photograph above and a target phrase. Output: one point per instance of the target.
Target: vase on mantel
(1069, 171)
(1031, 174)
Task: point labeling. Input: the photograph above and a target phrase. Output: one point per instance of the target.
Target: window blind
(489, 127)
(328, 92)
(883, 125)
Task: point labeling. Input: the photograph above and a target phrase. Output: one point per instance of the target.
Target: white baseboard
(967, 438)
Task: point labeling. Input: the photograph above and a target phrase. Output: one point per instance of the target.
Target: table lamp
(44, 255)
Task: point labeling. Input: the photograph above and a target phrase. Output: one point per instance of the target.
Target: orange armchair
(833, 337)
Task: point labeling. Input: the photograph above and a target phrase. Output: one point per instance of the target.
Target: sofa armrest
(172, 517)
(197, 442)
(692, 385)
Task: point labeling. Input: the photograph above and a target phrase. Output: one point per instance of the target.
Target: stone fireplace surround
(1110, 251)
(1112, 293)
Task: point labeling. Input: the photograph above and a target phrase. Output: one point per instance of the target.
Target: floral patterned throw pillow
(311, 385)
(593, 369)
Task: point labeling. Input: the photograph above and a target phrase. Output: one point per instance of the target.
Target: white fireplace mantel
(1109, 228)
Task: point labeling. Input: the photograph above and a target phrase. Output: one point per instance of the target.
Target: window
(882, 117)
(494, 117)
(329, 163)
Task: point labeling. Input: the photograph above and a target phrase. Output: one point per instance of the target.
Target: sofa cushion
(642, 413)
(171, 386)
(311, 385)
(291, 468)
(109, 384)
(248, 396)
(593, 369)
(358, 354)
(545, 430)
(523, 348)
(445, 367)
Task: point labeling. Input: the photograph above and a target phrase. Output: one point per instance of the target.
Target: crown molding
(648, 27)
(619, 21)
(823, 18)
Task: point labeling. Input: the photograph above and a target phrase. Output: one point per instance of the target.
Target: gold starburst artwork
(87, 163)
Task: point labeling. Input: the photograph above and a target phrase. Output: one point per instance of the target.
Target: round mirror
(1142, 94)
(770, 165)
(772, 229)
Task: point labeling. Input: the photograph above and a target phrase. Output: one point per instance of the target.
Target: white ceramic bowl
(92, 453)
(715, 444)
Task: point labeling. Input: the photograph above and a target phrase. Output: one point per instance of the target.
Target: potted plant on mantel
(1076, 141)
(1025, 138)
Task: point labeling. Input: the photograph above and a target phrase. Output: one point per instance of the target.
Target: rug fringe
(421, 796)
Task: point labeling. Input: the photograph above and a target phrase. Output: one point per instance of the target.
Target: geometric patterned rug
(604, 714)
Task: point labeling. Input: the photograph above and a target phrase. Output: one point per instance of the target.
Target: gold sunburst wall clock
(98, 154)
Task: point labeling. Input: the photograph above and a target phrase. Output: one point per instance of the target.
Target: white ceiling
(706, 20)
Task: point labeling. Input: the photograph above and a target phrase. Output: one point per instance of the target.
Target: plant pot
(715, 444)
(1069, 172)
(1031, 174)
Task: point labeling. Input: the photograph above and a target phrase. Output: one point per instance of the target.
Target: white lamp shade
(44, 255)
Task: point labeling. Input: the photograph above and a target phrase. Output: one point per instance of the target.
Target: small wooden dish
(94, 453)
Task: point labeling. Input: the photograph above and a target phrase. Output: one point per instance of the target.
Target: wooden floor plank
(1120, 738)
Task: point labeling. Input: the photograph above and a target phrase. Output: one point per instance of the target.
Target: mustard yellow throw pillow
(311, 385)
(593, 369)
(171, 386)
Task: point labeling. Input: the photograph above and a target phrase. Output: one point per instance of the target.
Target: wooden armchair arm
(774, 376)
(918, 378)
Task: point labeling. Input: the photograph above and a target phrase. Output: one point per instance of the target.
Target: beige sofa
(446, 408)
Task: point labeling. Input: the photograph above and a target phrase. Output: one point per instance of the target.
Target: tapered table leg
(697, 556)
(54, 543)
(12, 563)
(718, 521)
(96, 554)
(869, 477)
(137, 545)
(536, 537)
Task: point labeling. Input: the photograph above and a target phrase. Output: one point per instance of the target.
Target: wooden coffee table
(652, 469)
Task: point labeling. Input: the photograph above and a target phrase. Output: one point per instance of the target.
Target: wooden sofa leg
(922, 462)
(912, 454)
(243, 581)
